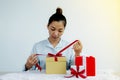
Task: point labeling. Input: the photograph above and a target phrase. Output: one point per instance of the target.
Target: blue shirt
(44, 47)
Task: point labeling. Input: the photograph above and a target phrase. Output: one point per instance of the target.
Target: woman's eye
(53, 29)
(60, 31)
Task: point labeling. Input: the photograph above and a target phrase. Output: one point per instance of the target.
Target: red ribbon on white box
(77, 71)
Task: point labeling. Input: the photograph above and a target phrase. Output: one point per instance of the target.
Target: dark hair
(57, 17)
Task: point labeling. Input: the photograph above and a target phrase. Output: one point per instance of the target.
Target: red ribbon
(76, 73)
(67, 47)
(37, 65)
(58, 54)
(55, 56)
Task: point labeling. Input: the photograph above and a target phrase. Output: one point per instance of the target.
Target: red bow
(76, 73)
(55, 56)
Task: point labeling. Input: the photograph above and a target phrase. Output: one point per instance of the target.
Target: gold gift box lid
(51, 59)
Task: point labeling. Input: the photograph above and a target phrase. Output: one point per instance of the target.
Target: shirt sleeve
(34, 49)
(70, 58)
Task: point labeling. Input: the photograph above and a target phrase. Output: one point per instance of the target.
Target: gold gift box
(56, 67)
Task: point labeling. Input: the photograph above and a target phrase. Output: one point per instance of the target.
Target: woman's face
(56, 29)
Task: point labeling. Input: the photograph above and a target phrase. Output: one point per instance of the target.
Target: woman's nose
(56, 33)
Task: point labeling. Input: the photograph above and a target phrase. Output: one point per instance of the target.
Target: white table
(36, 75)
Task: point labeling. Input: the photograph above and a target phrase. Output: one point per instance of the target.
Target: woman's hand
(77, 48)
(32, 60)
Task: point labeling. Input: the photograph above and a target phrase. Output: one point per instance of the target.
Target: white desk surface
(36, 75)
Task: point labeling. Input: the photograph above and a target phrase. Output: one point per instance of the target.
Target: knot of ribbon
(76, 73)
(55, 55)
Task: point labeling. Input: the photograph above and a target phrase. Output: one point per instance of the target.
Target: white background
(95, 22)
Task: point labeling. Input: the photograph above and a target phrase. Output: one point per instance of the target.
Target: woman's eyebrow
(52, 27)
(61, 29)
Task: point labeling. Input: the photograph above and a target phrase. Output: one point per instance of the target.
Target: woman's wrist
(27, 67)
(77, 55)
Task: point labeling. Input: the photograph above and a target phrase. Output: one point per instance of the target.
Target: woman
(54, 43)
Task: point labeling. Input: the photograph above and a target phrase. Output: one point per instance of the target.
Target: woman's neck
(54, 42)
